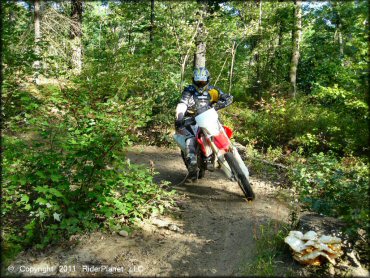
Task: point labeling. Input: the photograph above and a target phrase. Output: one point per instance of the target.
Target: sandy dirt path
(211, 234)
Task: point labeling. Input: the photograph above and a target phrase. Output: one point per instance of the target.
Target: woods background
(83, 80)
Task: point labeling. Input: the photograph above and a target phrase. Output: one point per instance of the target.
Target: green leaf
(25, 198)
(55, 177)
(56, 216)
(40, 201)
(55, 192)
(23, 180)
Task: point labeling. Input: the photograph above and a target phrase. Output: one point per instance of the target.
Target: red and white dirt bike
(214, 146)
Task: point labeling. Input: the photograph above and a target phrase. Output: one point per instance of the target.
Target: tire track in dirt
(214, 235)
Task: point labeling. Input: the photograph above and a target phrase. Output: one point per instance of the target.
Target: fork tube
(224, 166)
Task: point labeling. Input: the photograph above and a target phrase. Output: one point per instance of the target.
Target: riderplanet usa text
(102, 268)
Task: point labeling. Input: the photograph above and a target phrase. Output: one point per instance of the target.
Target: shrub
(64, 169)
(336, 188)
(303, 123)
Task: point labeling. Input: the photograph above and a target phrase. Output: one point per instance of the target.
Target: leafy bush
(302, 123)
(334, 187)
(64, 169)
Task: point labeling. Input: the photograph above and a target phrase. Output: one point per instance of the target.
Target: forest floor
(213, 233)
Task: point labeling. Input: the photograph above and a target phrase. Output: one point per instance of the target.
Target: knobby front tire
(240, 176)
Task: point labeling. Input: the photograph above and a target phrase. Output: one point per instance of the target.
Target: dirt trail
(212, 234)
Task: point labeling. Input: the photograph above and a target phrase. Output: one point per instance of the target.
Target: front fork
(239, 160)
(223, 163)
(219, 154)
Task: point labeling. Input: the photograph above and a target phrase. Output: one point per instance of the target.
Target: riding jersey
(197, 101)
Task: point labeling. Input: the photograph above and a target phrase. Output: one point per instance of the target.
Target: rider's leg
(191, 157)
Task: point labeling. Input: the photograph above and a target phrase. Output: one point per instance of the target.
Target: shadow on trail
(215, 236)
(223, 222)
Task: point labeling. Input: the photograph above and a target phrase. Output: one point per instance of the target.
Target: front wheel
(240, 176)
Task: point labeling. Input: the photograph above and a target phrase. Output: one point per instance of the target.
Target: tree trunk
(338, 23)
(184, 60)
(37, 63)
(280, 37)
(152, 21)
(233, 52)
(260, 16)
(76, 35)
(200, 42)
(257, 55)
(296, 46)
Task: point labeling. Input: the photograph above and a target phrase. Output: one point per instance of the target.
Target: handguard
(223, 103)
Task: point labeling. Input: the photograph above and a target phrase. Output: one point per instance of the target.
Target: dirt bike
(215, 146)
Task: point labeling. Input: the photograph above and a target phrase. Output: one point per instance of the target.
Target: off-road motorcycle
(215, 147)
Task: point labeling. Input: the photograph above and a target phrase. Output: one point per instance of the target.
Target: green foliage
(305, 123)
(67, 172)
(270, 248)
(334, 187)
(63, 161)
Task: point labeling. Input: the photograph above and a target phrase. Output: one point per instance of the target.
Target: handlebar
(188, 121)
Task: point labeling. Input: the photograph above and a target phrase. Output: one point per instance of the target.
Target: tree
(37, 63)
(76, 35)
(257, 54)
(297, 31)
(200, 43)
(151, 21)
(338, 31)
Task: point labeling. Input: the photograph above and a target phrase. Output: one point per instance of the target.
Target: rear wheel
(240, 176)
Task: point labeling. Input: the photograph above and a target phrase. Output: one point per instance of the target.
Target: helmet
(201, 77)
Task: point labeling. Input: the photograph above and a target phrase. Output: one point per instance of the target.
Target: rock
(160, 223)
(359, 272)
(324, 225)
(173, 227)
(310, 221)
(123, 233)
(331, 270)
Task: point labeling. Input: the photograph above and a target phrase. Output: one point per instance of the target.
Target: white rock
(296, 234)
(295, 243)
(174, 228)
(310, 235)
(329, 239)
(160, 223)
(123, 233)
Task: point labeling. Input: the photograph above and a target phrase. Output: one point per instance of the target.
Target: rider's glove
(179, 124)
(219, 105)
(226, 101)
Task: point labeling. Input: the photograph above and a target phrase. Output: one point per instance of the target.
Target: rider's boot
(192, 167)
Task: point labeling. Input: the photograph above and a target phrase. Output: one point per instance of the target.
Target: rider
(195, 99)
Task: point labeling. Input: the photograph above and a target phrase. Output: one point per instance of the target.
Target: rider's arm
(180, 111)
(224, 100)
(182, 106)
